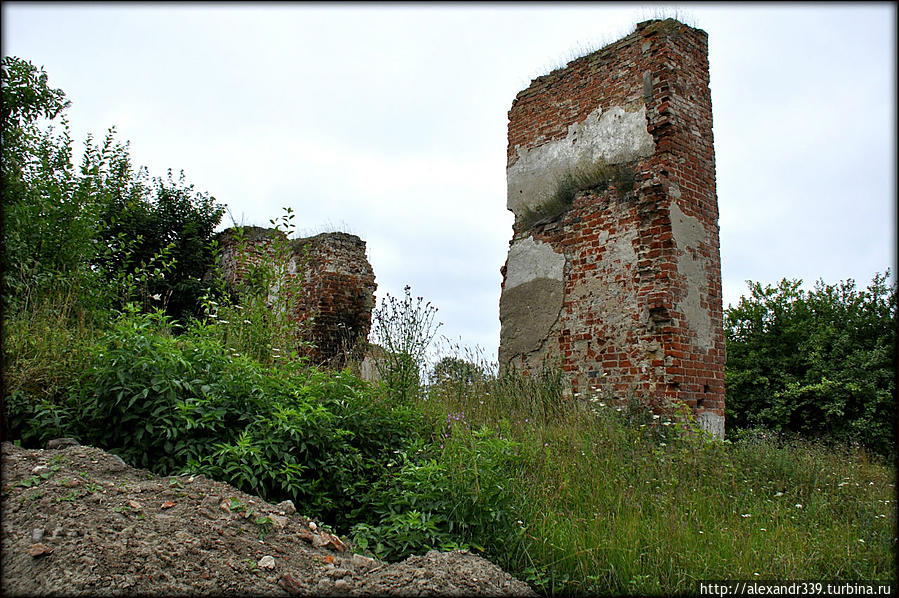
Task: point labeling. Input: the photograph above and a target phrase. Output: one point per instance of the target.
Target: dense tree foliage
(46, 227)
(102, 228)
(819, 363)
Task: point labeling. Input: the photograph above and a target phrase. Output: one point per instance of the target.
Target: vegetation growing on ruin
(600, 497)
(255, 316)
(665, 20)
(666, 26)
(597, 177)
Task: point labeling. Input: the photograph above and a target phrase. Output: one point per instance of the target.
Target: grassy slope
(612, 507)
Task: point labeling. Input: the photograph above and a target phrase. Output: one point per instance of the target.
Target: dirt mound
(78, 520)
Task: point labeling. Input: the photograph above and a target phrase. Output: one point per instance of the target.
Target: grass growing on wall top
(667, 17)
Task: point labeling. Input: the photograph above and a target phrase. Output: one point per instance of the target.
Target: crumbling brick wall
(337, 294)
(613, 271)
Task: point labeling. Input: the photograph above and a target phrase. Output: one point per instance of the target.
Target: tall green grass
(607, 505)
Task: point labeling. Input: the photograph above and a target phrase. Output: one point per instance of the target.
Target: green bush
(322, 445)
(454, 496)
(817, 363)
(143, 220)
(101, 225)
(47, 225)
(186, 403)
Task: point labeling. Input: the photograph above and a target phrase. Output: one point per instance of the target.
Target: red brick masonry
(337, 295)
(641, 307)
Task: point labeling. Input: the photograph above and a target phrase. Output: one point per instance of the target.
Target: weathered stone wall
(613, 271)
(338, 286)
(338, 292)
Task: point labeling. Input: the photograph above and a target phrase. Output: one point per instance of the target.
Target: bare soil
(79, 521)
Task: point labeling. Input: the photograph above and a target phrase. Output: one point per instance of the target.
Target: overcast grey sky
(389, 121)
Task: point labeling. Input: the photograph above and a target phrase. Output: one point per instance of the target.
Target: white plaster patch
(530, 260)
(613, 136)
(689, 233)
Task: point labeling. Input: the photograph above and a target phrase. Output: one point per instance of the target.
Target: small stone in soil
(266, 562)
(39, 549)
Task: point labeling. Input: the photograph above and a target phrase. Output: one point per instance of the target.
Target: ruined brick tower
(337, 295)
(614, 269)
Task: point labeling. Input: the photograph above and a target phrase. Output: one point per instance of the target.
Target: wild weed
(255, 314)
(404, 329)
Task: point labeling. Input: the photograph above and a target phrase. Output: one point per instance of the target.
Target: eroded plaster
(614, 136)
(689, 233)
(532, 297)
(529, 260)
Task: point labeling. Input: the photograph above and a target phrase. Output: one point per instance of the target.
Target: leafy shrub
(100, 225)
(47, 225)
(164, 217)
(456, 497)
(818, 363)
(322, 445)
(31, 422)
(185, 403)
